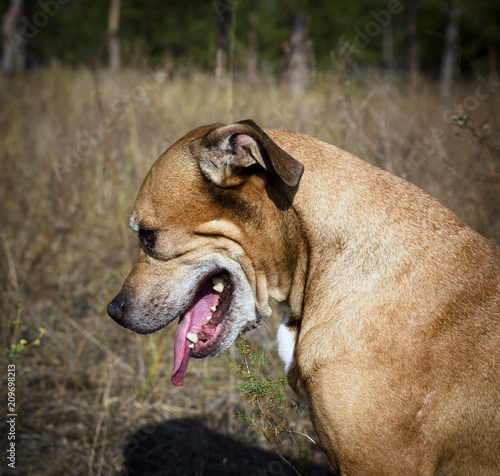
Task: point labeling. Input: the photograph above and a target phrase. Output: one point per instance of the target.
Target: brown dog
(391, 327)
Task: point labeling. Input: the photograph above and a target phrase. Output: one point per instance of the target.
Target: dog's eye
(147, 237)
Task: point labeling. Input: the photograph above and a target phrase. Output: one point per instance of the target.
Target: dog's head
(216, 234)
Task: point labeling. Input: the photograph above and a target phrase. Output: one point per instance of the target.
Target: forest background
(91, 93)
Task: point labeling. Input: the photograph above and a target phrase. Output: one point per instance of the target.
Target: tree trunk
(412, 42)
(221, 59)
(298, 67)
(450, 48)
(113, 35)
(252, 56)
(13, 42)
(388, 47)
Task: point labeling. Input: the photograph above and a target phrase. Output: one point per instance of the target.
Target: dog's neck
(363, 248)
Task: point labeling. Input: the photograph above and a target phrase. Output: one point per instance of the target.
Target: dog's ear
(228, 152)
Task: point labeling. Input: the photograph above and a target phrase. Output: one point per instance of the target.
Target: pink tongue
(194, 319)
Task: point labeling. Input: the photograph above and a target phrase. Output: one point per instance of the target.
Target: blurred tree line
(433, 37)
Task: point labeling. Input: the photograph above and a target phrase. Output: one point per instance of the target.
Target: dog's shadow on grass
(186, 447)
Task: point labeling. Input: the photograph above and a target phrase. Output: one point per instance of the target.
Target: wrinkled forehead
(172, 190)
(163, 189)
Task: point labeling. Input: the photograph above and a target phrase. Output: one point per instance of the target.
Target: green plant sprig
(17, 346)
(266, 398)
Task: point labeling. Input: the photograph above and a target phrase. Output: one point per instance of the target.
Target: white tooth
(191, 346)
(213, 309)
(192, 337)
(209, 317)
(218, 284)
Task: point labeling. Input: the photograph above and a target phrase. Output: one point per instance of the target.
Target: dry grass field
(95, 399)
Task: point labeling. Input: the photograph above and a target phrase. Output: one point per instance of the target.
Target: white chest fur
(286, 339)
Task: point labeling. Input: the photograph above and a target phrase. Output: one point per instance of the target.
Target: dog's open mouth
(199, 328)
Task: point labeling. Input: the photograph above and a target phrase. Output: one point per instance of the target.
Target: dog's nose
(115, 308)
